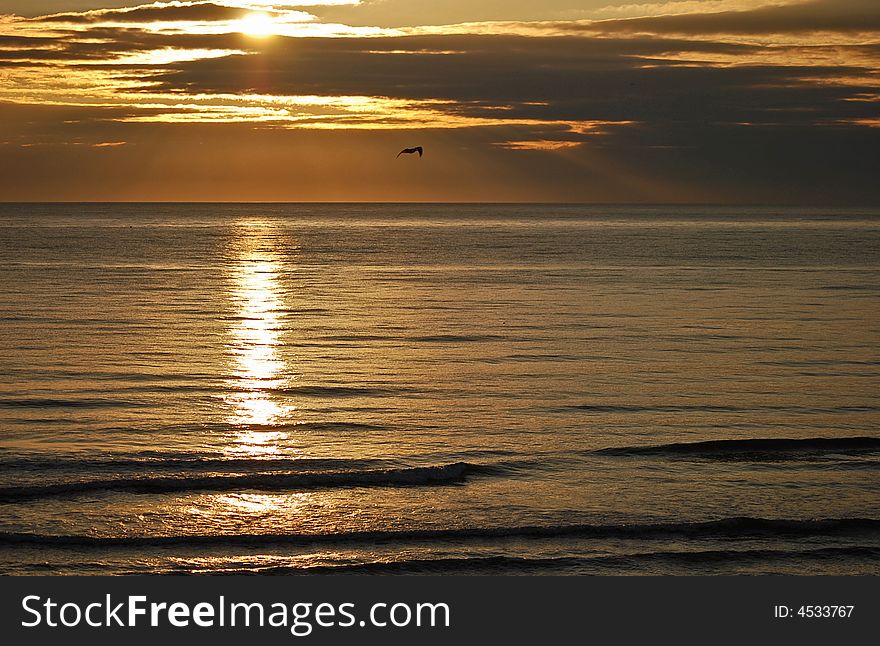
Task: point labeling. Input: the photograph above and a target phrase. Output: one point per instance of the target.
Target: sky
(682, 101)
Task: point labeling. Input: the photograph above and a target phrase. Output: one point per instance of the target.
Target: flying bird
(410, 151)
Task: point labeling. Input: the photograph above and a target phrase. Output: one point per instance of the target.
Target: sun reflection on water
(259, 370)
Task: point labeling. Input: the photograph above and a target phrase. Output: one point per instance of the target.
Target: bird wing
(409, 151)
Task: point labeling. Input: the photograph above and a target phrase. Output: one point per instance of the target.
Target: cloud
(159, 11)
(676, 7)
(205, 161)
(539, 144)
(859, 16)
(560, 79)
(694, 106)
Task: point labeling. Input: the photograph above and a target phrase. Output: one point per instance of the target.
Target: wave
(189, 463)
(720, 408)
(147, 461)
(457, 338)
(565, 564)
(737, 527)
(415, 566)
(278, 482)
(753, 449)
(47, 402)
(332, 391)
(328, 425)
(321, 426)
(761, 555)
(103, 402)
(433, 338)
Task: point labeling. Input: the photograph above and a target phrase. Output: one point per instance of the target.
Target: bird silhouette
(410, 151)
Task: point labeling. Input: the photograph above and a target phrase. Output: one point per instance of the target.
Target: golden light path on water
(259, 369)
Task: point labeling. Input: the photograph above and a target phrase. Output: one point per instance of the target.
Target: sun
(257, 24)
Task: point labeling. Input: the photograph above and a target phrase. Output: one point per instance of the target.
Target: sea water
(439, 388)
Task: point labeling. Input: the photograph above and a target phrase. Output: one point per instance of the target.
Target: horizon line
(843, 205)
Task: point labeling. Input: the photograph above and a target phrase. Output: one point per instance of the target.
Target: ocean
(374, 388)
